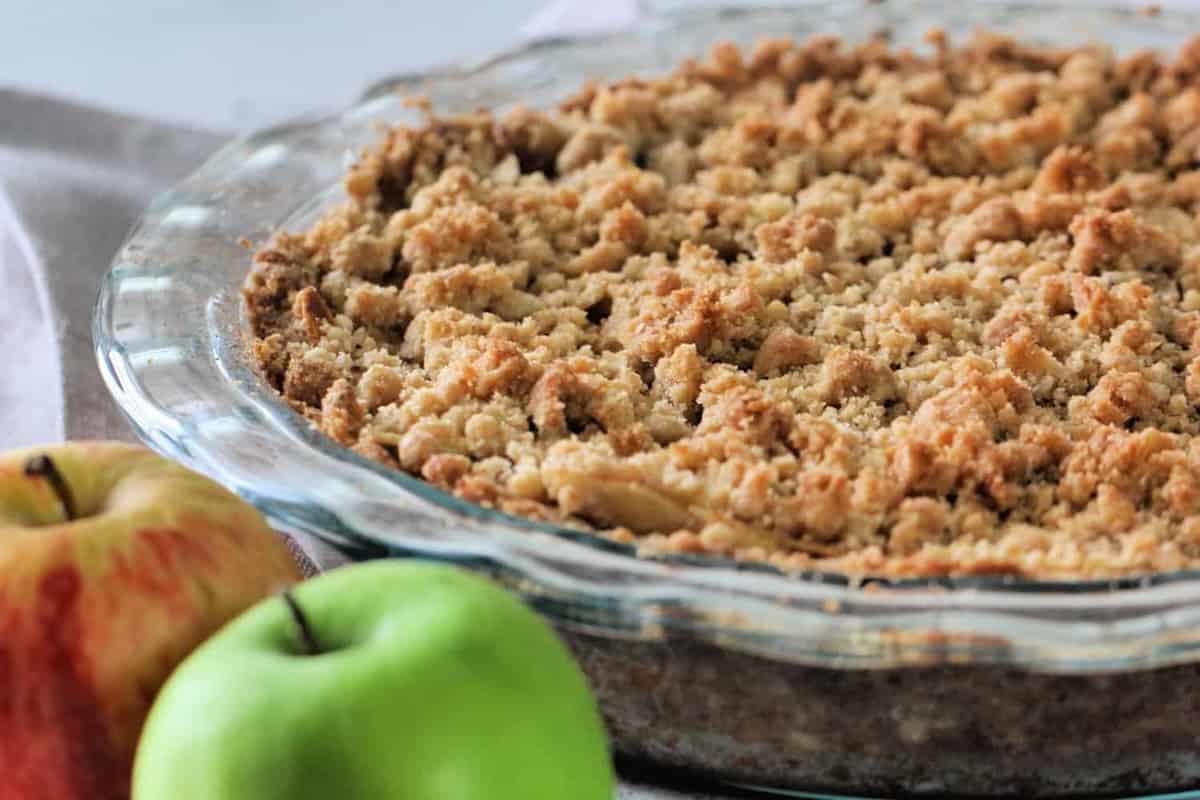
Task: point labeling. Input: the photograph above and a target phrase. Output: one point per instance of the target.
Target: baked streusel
(838, 307)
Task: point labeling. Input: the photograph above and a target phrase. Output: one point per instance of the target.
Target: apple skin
(95, 612)
(431, 683)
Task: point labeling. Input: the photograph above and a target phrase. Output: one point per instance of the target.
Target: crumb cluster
(839, 307)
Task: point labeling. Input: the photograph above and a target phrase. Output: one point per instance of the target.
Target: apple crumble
(829, 306)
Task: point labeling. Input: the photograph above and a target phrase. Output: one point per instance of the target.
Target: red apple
(115, 563)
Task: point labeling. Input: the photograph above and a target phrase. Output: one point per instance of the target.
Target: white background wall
(239, 63)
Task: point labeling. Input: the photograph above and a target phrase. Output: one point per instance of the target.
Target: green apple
(114, 564)
(389, 680)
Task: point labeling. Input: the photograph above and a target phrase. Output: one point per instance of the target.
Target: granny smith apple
(114, 564)
(388, 680)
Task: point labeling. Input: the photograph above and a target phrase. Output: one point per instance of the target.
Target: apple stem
(42, 466)
(306, 633)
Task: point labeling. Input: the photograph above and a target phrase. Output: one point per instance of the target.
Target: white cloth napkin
(31, 368)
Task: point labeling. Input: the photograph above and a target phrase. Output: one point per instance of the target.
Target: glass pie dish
(983, 686)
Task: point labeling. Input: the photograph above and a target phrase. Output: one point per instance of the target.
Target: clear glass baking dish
(981, 686)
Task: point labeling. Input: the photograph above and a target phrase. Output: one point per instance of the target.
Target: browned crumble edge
(826, 306)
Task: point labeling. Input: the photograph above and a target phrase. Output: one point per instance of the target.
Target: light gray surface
(234, 64)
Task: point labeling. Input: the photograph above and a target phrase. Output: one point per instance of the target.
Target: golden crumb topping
(827, 306)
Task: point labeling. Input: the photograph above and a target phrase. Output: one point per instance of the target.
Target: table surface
(234, 65)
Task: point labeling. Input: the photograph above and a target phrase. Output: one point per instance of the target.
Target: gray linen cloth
(73, 180)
